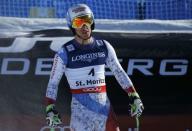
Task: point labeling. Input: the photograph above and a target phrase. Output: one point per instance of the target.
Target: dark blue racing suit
(84, 68)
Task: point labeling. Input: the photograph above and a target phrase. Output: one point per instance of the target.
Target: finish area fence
(103, 9)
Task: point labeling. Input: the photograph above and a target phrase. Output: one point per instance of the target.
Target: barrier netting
(103, 9)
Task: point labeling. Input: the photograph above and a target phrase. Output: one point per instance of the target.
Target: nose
(86, 26)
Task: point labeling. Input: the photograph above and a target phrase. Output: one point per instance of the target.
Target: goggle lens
(78, 22)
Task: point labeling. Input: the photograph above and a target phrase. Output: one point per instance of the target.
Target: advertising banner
(160, 66)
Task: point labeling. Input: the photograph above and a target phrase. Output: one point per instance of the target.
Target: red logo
(92, 89)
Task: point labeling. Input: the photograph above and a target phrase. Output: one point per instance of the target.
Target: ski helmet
(77, 11)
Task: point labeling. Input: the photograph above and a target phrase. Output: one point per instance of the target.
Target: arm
(55, 77)
(123, 79)
(58, 68)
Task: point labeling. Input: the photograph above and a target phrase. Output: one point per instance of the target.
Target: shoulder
(108, 45)
(69, 46)
(63, 51)
(102, 42)
(62, 54)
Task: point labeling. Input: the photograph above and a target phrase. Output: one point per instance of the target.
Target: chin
(86, 36)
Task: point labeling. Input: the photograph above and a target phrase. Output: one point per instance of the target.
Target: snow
(8, 24)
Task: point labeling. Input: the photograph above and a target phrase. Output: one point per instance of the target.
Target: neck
(83, 41)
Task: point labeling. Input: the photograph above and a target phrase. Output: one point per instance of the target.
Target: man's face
(82, 26)
(84, 32)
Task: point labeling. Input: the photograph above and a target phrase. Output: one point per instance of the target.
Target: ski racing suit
(84, 68)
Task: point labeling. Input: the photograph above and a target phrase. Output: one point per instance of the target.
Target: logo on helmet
(80, 9)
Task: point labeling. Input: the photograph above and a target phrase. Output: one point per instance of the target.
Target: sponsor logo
(92, 89)
(70, 48)
(90, 82)
(93, 82)
(21, 44)
(42, 66)
(89, 57)
(80, 9)
(54, 66)
(167, 67)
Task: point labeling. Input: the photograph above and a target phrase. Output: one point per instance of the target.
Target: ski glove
(136, 104)
(136, 108)
(52, 116)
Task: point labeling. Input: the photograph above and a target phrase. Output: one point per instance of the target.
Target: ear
(93, 26)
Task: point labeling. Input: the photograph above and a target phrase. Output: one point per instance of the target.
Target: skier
(83, 61)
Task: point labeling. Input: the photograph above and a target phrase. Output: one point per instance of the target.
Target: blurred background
(103, 9)
(153, 41)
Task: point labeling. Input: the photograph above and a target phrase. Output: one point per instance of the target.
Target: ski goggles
(78, 22)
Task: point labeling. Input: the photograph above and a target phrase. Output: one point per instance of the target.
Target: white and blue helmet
(76, 11)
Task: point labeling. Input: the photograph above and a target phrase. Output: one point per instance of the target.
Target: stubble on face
(84, 32)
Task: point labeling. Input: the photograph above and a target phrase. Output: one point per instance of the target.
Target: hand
(136, 103)
(52, 116)
(137, 107)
